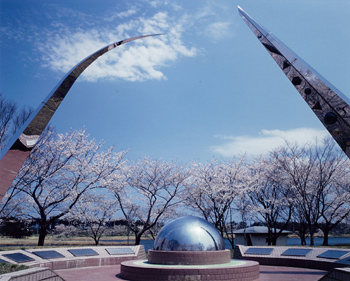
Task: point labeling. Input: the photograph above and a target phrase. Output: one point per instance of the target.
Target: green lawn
(7, 268)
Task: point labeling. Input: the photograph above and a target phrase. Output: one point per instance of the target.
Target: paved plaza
(109, 273)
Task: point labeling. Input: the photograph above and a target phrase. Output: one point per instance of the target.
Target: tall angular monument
(329, 104)
(19, 147)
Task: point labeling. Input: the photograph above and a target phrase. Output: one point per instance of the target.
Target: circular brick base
(189, 257)
(235, 270)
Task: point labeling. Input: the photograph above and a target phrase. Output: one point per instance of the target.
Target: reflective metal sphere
(189, 234)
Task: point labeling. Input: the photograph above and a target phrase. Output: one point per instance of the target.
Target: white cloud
(73, 35)
(136, 61)
(219, 30)
(127, 13)
(265, 141)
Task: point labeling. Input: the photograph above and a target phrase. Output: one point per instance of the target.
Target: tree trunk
(42, 235)
(312, 232)
(138, 238)
(325, 237)
(274, 239)
(312, 243)
(97, 240)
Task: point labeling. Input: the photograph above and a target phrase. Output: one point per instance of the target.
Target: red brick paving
(289, 273)
(267, 273)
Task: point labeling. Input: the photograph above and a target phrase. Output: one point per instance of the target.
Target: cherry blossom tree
(318, 173)
(148, 193)
(66, 231)
(299, 223)
(212, 188)
(298, 163)
(59, 171)
(8, 111)
(271, 196)
(11, 118)
(332, 176)
(244, 208)
(10, 204)
(93, 212)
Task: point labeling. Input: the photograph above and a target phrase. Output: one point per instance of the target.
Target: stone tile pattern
(309, 261)
(189, 257)
(247, 272)
(70, 261)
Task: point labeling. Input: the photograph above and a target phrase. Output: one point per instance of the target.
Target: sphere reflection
(189, 234)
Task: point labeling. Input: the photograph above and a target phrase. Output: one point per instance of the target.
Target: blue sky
(206, 88)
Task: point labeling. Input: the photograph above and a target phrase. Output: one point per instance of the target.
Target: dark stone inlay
(296, 80)
(18, 257)
(259, 251)
(317, 106)
(48, 254)
(336, 132)
(286, 64)
(83, 252)
(307, 91)
(330, 118)
(347, 142)
(272, 49)
(296, 252)
(333, 254)
(119, 251)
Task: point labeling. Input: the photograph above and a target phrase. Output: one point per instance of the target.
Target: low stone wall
(337, 274)
(310, 260)
(68, 260)
(36, 274)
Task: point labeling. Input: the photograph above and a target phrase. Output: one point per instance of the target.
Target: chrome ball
(189, 234)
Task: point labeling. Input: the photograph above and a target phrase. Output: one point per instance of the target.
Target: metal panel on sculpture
(13, 155)
(330, 106)
(333, 254)
(48, 254)
(18, 257)
(119, 251)
(296, 252)
(259, 251)
(83, 252)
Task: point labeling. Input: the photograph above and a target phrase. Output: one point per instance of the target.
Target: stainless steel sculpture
(328, 103)
(189, 234)
(17, 150)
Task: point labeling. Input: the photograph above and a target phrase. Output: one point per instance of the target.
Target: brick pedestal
(235, 270)
(189, 257)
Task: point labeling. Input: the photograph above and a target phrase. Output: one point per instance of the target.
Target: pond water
(319, 240)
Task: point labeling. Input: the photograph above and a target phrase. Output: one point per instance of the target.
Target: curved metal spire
(17, 150)
(328, 103)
